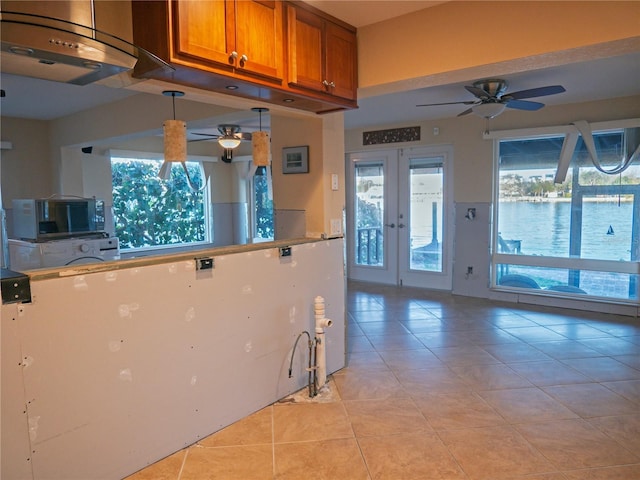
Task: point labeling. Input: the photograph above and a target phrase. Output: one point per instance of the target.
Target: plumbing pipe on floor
(321, 323)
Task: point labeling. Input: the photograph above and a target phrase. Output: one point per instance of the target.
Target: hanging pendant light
(175, 144)
(175, 138)
(260, 142)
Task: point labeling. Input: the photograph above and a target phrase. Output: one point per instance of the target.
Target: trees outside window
(263, 203)
(149, 212)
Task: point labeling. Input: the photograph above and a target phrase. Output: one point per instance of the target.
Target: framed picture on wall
(295, 159)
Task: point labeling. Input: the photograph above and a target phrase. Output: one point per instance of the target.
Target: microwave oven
(41, 220)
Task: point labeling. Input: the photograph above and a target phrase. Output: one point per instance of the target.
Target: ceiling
(596, 79)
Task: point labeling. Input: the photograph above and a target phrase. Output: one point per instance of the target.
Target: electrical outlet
(204, 263)
(336, 226)
(469, 270)
(285, 251)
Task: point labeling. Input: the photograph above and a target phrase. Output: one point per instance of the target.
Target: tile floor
(447, 387)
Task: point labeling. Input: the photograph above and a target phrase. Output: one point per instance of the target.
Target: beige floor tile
(522, 405)
(325, 460)
(457, 410)
(411, 456)
(165, 469)
(490, 377)
(548, 373)
(626, 472)
(542, 476)
(516, 352)
(253, 462)
(591, 400)
(438, 379)
(603, 369)
(385, 417)
(383, 343)
(303, 422)
(467, 355)
(368, 385)
(403, 360)
(444, 338)
(364, 361)
(251, 430)
(359, 344)
(494, 453)
(629, 389)
(383, 328)
(624, 429)
(573, 444)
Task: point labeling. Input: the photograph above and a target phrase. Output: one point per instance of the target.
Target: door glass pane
(425, 214)
(369, 213)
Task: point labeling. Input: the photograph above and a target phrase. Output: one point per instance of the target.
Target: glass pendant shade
(175, 141)
(488, 110)
(228, 142)
(260, 144)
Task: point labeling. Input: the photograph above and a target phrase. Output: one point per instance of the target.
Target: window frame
(570, 263)
(208, 221)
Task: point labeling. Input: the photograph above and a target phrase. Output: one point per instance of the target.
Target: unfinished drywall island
(110, 370)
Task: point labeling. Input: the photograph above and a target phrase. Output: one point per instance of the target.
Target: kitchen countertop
(156, 259)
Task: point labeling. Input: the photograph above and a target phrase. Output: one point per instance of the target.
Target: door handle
(391, 225)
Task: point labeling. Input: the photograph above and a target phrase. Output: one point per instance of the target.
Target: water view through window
(580, 235)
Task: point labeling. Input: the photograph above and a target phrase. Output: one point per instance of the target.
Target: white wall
(106, 372)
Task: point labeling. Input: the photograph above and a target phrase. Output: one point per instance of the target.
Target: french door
(399, 217)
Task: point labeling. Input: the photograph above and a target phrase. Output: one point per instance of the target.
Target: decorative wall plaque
(392, 135)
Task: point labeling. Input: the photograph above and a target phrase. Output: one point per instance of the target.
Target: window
(149, 212)
(578, 236)
(262, 206)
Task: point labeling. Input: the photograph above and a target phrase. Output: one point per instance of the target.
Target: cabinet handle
(332, 84)
(233, 56)
(327, 83)
(243, 59)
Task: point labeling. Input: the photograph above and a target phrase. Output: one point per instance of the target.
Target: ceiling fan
(492, 99)
(229, 138)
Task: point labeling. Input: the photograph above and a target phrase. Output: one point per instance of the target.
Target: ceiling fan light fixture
(228, 141)
(488, 110)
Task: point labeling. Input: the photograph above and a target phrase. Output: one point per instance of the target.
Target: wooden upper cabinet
(322, 54)
(242, 36)
(222, 44)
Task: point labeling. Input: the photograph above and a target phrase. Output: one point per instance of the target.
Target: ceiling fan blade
(535, 92)
(466, 112)
(210, 135)
(524, 105)
(478, 92)
(469, 102)
(243, 135)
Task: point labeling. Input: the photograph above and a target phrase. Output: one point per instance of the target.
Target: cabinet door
(259, 30)
(203, 30)
(341, 61)
(306, 49)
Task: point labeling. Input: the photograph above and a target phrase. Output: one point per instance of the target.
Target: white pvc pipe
(321, 323)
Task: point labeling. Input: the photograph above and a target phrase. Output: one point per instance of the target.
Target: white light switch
(334, 181)
(336, 226)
